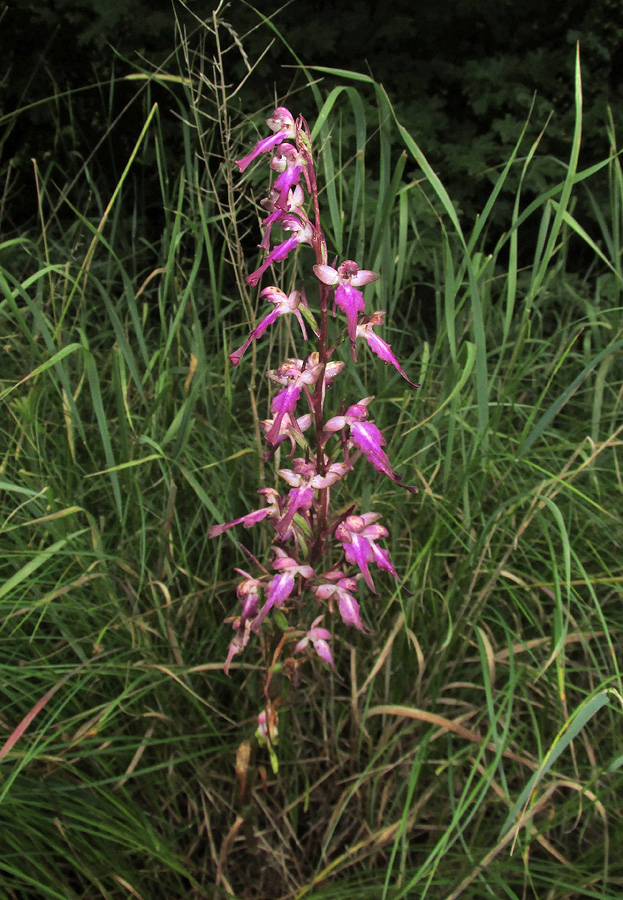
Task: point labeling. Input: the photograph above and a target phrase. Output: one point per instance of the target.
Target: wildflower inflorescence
(314, 557)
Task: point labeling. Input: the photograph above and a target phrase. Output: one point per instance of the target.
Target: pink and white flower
(273, 510)
(289, 428)
(248, 594)
(296, 375)
(367, 437)
(281, 585)
(282, 305)
(305, 481)
(319, 638)
(302, 233)
(296, 198)
(358, 536)
(291, 165)
(340, 587)
(346, 279)
(301, 520)
(283, 124)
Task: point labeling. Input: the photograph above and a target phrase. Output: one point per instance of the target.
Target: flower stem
(320, 249)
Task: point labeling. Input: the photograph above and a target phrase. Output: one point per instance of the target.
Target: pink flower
(377, 344)
(296, 198)
(257, 515)
(282, 407)
(301, 498)
(305, 473)
(347, 277)
(341, 591)
(319, 638)
(331, 371)
(367, 437)
(283, 124)
(291, 165)
(238, 643)
(305, 481)
(358, 534)
(302, 233)
(296, 375)
(268, 726)
(279, 589)
(349, 609)
(282, 305)
(289, 427)
(281, 585)
(248, 594)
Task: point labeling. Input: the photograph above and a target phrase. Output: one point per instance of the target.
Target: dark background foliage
(462, 75)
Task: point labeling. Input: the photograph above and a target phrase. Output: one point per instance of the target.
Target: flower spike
(319, 557)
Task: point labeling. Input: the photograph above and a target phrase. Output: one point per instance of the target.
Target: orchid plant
(317, 559)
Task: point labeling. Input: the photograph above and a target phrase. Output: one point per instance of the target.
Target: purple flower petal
(381, 558)
(283, 304)
(335, 473)
(283, 403)
(257, 515)
(262, 146)
(289, 428)
(378, 346)
(368, 438)
(370, 441)
(362, 276)
(299, 498)
(319, 638)
(324, 652)
(239, 642)
(326, 274)
(358, 553)
(351, 301)
(288, 179)
(349, 609)
(248, 521)
(249, 596)
(283, 124)
(279, 589)
(282, 118)
(237, 355)
(357, 534)
(278, 254)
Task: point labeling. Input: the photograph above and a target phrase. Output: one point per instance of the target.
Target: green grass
(472, 744)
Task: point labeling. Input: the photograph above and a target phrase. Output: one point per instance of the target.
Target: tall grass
(471, 746)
